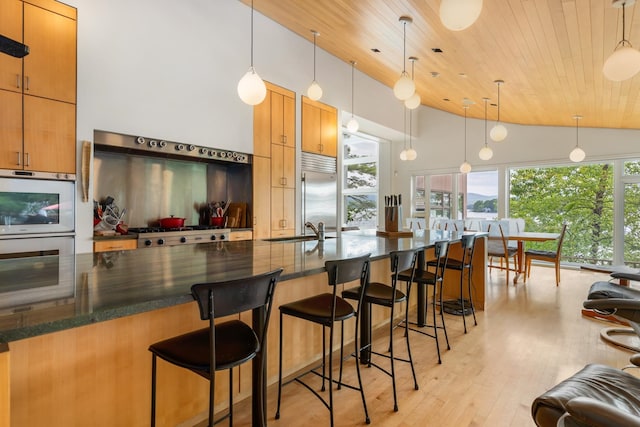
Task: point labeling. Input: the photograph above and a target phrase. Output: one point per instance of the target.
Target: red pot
(171, 222)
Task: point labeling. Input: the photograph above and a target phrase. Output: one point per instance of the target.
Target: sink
(295, 238)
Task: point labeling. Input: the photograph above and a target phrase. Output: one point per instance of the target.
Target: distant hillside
(474, 197)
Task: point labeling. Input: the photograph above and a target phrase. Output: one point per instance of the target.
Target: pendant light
(404, 87)
(486, 152)
(352, 124)
(624, 62)
(457, 15)
(403, 153)
(251, 88)
(315, 91)
(411, 153)
(498, 132)
(465, 167)
(577, 154)
(414, 100)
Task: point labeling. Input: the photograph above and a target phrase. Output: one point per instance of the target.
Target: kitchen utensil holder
(391, 218)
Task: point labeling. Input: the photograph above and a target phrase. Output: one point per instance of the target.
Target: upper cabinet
(319, 128)
(38, 92)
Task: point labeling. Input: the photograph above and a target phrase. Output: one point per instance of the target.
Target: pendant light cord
(498, 102)
(315, 34)
(353, 66)
(485, 121)
(465, 132)
(404, 47)
(251, 34)
(577, 118)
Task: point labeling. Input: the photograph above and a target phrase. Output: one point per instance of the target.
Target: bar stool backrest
(402, 261)
(441, 251)
(348, 270)
(468, 245)
(235, 296)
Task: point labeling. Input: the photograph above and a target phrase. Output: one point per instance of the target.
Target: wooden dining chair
(498, 247)
(547, 256)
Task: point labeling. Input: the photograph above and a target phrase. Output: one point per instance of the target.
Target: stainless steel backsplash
(151, 188)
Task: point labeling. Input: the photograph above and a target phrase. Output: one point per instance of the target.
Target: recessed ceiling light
(463, 75)
(435, 74)
(375, 50)
(436, 49)
(446, 99)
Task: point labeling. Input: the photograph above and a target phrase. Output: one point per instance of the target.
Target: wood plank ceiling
(549, 53)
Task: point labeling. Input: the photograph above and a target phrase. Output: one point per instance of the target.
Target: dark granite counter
(110, 285)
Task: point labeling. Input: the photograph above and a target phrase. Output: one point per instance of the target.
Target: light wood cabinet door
(310, 127)
(282, 211)
(10, 130)
(49, 135)
(283, 166)
(329, 132)
(262, 127)
(50, 67)
(11, 25)
(283, 119)
(261, 197)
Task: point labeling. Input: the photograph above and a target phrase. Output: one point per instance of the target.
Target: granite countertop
(110, 285)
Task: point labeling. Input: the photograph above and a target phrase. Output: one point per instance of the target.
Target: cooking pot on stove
(171, 222)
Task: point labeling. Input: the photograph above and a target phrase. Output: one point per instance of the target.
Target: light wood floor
(529, 338)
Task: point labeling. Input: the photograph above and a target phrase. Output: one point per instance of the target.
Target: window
(581, 196)
(360, 191)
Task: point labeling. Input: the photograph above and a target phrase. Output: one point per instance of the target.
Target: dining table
(521, 237)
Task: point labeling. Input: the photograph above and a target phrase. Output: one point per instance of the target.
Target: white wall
(169, 69)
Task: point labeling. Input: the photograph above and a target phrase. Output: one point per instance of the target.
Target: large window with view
(581, 196)
(360, 190)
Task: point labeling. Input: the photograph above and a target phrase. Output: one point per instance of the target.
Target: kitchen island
(82, 357)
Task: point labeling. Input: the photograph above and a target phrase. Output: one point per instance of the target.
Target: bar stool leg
(279, 370)
(464, 317)
(435, 326)
(444, 327)
(153, 391)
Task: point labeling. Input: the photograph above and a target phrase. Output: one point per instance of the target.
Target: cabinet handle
(284, 139)
(28, 161)
(19, 158)
(18, 81)
(320, 147)
(283, 181)
(283, 223)
(27, 84)
(255, 220)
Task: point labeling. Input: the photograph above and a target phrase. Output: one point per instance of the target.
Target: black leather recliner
(599, 395)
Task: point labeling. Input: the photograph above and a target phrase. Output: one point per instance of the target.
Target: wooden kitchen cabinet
(282, 212)
(274, 164)
(115, 245)
(39, 89)
(261, 197)
(319, 128)
(283, 166)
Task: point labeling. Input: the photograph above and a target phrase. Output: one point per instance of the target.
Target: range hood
(144, 145)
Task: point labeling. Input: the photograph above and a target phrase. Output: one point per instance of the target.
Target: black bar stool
(225, 345)
(461, 306)
(423, 277)
(327, 309)
(388, 296)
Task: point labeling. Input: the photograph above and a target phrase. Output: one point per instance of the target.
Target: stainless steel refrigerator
(319, 191)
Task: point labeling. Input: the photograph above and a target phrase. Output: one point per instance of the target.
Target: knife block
(391, 218)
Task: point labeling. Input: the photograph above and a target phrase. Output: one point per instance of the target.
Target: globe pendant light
(352, 124)
(315, 91)
(251, 88)
(577, 154)
(465, 167)
(624, 62)
(486, 152)
(498, 132)
(414, 100)
(457, 15)
(404, 87)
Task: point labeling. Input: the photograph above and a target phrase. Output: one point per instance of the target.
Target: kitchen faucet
(318, 230)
